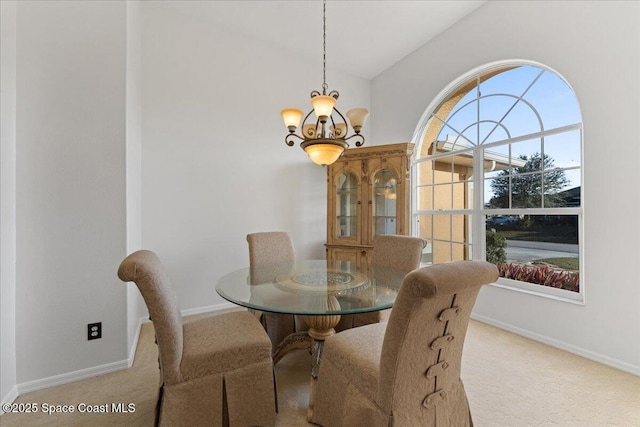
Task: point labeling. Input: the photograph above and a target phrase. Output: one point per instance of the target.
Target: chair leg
(275, 390)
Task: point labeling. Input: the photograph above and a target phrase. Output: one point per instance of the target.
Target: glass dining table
(317, 290)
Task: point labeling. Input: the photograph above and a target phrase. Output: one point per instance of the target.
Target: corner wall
(8, 390)
(595, 45)
(135, 304)
(71, 225)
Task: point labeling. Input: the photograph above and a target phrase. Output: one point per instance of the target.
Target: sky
(547, 102)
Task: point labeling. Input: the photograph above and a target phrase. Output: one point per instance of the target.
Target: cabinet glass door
(384, 202)
(347, 206)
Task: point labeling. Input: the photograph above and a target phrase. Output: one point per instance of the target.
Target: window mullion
(478, 232)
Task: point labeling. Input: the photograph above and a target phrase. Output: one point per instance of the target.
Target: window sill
(541, 291)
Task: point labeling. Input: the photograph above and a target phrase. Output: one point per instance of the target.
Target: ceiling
(364, 38)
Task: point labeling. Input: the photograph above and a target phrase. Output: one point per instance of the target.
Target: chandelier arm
(359, 136)
(290, 141)
(335, 94)
(343, 119)
(334, 125)
(305, 119)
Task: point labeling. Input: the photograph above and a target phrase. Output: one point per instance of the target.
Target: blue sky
(550, 97)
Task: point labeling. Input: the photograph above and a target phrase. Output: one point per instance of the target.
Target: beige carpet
(510, 381)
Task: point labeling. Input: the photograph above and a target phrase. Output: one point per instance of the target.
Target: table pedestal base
(294, 341)
(320, 328)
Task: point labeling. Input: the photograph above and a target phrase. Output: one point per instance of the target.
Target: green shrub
(496, 248)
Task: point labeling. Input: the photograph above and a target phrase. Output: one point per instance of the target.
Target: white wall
(135, 304)
(215, 165)
(70, 185)
(7, 201)
(596, 47)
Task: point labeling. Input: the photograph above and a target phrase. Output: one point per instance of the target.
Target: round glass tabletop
(306, 288)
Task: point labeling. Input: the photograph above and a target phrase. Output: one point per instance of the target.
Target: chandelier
(325, 138)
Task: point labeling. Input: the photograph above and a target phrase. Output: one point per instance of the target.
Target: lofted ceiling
(364, 37)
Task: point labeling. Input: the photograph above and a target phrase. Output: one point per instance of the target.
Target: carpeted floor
(510, 381)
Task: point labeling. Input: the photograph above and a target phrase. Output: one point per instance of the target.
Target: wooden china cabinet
(368, 195)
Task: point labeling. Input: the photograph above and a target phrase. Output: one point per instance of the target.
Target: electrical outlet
(94, 331)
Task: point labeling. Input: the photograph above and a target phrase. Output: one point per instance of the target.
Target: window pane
(460, 252)
(513, 80)
(494, 106)
(541, 249)
(459, 228)
(525, 156)
(461, 118)
(427, 253)
(459, 195)
(563, 149)
(522, 120)
(425, 226)
(526, 191)
(442, 227)
(442, 196)
(441, 252)
(451, 133)
(496, 193)
(425, 198)
(425, 173)
(555, 101)
(492, 131)
(571, 196)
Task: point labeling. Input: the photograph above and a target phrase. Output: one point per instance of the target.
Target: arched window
(498, 177)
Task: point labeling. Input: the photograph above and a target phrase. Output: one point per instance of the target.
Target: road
(520, 254)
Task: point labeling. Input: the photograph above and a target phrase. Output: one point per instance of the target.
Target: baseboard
(9, 398)
(107, 368)
(579, 351)
(72, 376)
(225, 306)
(190, 312)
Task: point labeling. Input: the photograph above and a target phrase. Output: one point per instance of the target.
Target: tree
(528, 184)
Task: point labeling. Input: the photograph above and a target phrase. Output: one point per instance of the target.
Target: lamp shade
(357, 117)
(324, 154)
(323, 105)
(291, 117)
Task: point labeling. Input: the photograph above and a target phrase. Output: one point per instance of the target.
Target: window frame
(477, 212)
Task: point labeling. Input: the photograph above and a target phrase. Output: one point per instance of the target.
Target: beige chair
(215, 370)
(405, 372)
(400, 252)
(267, 250)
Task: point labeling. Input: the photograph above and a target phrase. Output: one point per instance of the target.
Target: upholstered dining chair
(267, 249)
(405, 372)
(214, 370)
(400, 252)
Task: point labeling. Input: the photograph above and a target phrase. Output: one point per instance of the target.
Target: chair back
(422, 349)
(400, 252)
(270, 254)
(147, 272)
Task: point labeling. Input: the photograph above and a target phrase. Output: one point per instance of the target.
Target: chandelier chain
(324, 47)
(324, 136)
